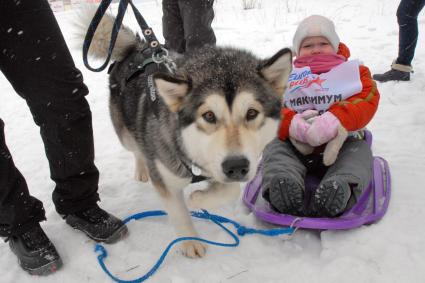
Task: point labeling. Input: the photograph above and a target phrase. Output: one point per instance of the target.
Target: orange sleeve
(356, 112)
(343, 50)
(286, 115)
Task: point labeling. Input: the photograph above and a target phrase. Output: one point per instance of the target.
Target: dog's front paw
(193, 249)
(141, 176)
(141, 173)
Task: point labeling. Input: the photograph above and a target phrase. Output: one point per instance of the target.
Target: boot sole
(44, 270)
(286, 197)
(398, 80)
(330, 199)
(120, 234)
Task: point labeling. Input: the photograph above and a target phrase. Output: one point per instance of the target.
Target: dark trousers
(407, 18)
(36, 61)
(186, 24)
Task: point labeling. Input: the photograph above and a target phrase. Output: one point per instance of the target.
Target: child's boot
(286, 196)
(331, 198)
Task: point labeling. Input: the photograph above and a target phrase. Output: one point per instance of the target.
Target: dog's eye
(209, 117)
(251, 114)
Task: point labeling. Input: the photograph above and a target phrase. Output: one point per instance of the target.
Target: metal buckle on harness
(162, 57)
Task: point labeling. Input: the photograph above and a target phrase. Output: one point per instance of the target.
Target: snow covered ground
(392, 250)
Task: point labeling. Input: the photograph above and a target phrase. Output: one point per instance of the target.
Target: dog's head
(228, 105)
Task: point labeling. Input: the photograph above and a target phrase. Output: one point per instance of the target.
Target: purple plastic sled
(371, 206)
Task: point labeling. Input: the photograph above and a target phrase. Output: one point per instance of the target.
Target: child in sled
(328, 101)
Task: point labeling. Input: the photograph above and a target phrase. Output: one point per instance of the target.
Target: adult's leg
(172, 26)
(18, 210)
(407, 18)
(38, 64)
(19, 217)
(197, 17)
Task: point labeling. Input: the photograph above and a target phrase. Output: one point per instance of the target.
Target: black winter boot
(35, 252)
(98, 225)
(286, 196)
(330, 199)
(398, 72)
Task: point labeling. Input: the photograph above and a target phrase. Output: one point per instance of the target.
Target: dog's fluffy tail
(126, 38)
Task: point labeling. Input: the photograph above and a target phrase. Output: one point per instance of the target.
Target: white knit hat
(315, 25)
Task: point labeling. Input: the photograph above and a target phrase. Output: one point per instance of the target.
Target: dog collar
(196, 173)
(195, 170)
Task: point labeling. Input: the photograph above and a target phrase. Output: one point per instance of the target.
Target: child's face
(316, 45)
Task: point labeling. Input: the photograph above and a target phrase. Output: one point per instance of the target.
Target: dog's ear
(172, 90)
(277, 69)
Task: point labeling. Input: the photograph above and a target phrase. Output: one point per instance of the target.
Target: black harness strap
(146, 31)
(197, 179)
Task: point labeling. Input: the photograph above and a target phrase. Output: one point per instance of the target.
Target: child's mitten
(323, 129)
(299, 125)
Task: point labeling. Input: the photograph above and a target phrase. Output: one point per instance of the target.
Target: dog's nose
(236, 167)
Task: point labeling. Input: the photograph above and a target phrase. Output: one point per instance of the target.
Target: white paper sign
(311, 91)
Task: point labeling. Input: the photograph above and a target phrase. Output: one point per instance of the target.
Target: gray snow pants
(353, 166)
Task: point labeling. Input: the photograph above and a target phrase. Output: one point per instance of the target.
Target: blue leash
(219, 220)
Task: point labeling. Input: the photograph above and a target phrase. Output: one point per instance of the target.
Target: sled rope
(218, 220)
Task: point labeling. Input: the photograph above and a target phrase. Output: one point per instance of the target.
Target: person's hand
(323, 129)
(300, 124)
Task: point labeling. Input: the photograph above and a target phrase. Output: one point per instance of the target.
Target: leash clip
(163, 57)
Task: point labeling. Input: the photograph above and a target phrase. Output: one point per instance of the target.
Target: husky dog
(213, 116)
